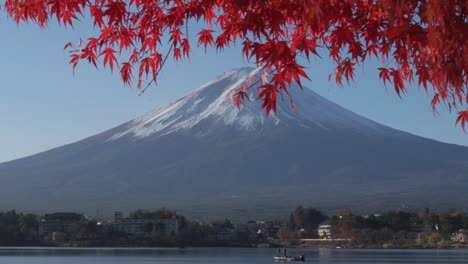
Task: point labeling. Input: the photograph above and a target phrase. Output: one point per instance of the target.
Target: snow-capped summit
(212, 102)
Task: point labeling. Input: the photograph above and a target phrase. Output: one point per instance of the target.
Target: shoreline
(300, 247)
(385, 246)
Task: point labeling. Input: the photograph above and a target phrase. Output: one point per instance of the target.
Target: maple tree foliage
(417, 41)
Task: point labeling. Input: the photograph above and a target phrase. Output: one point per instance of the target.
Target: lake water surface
(221, 256)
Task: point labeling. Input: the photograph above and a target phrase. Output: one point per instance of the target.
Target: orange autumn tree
(417, 41)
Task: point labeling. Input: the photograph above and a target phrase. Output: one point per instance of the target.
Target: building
(461, 236)
(138, 226)
(222, 233)
(272, 228)
(58, 222)
(325, 230)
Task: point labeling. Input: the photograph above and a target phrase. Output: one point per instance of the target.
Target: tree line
(395, 228)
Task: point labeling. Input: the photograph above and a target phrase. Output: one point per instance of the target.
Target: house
(325, 230)
(461, 236)
(58, 222)
(138, 226)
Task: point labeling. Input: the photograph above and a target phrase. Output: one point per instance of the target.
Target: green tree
(435, 239)
(450, 223)
(308, 218)
(400, 220)
(17, 229)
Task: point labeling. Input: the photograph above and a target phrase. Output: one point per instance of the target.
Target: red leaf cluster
(423, 40)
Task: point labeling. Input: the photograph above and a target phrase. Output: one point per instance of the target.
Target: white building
(461, 236)
(325, 230)
(137, 226)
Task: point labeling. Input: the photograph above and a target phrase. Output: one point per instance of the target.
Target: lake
(222, 255)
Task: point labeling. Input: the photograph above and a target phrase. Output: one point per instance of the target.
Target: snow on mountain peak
(212, 102)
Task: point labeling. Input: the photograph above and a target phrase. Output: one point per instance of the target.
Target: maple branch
(159, 70)
(258, 81)
(421, 38)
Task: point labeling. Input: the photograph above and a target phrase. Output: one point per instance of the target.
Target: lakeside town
(305, 227)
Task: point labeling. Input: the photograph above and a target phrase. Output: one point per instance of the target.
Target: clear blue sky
(43, 105)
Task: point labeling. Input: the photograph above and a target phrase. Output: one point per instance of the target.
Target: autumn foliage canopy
(417, 41)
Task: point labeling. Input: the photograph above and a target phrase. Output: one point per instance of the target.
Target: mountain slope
(201, 152)
(212, 102)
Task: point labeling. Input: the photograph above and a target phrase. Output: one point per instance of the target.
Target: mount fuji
(201, 152)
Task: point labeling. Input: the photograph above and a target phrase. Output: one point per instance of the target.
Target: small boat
(285, 257)
(289, 258)
(282, 258)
